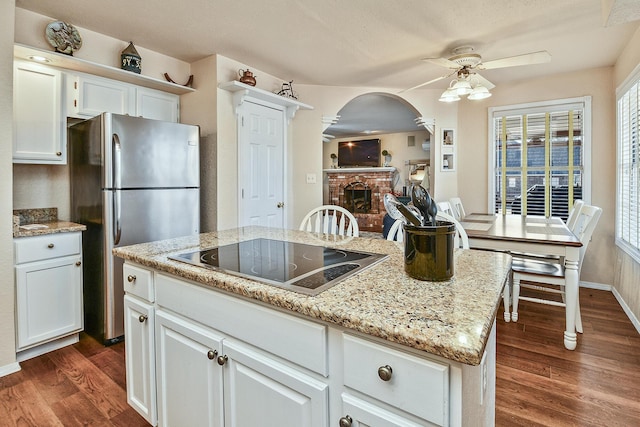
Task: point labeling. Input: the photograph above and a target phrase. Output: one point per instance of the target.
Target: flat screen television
(362, 153)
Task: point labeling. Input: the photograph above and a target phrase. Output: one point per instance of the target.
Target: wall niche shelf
(66, 62)
(241, 91)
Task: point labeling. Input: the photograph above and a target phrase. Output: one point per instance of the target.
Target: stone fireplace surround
(379, 180)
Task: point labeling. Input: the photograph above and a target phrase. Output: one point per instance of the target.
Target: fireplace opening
(357, 197)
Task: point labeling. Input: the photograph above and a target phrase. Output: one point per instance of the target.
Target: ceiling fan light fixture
(462, 87)
(449, 95)
(479, 92)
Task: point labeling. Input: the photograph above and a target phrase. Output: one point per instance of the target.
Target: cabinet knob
(385, 372)
(142, 318)
(222, 360)
(211, 354)
(58, 153)
(346, 421)
(78, 263)
(280, 204)
(131, 278)
(50, 245)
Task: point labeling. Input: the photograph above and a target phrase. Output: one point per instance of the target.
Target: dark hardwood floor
(539, 383)
(79, 385)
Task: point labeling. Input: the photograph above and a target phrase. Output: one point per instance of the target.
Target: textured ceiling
(378, 43)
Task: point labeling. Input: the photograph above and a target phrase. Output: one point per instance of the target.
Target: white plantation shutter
(628, 193)
(541, 157)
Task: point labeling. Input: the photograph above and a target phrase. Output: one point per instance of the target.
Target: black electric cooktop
(299, 267)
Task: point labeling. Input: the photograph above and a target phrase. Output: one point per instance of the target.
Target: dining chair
(330, 219)
(573, 215)
(445, 207)
(461, 239)
(457, 208)
(396, 232)
(549, 275)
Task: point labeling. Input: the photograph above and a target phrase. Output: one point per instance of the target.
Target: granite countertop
(41, 221)
(451, 319)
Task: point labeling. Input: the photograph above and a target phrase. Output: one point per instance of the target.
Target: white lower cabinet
(223, 361)
(261, 391)
(189, 377)
(48, 292)
(139, 328)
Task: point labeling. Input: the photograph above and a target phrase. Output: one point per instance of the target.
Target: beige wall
(627, 279)
(199, 108)
(474, 157)
(7, 329)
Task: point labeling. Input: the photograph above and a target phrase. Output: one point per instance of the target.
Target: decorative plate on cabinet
(63, 37)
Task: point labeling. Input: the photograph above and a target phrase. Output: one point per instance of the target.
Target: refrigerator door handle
(117, 231)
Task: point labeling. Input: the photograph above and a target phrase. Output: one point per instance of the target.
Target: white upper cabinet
(88, 96)
(92, 95)
(157, 105)
(39, 131)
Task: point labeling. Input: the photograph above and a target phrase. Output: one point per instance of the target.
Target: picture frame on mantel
(448, 150)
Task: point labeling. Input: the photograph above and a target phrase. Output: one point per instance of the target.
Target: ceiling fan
(464, 64)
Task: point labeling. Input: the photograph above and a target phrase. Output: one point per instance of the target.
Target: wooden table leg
(571, 296)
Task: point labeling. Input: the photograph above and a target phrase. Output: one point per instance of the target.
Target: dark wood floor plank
(22, 405)
(106, 396)
(76, 409)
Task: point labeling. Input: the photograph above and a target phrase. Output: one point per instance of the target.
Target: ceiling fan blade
(443, 62)
(426, 83)
(484, 82)
(513, 61)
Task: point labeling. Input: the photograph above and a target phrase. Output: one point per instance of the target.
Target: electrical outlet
(484, 377)
(311, 178)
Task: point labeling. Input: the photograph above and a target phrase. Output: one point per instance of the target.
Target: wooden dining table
(536, 235)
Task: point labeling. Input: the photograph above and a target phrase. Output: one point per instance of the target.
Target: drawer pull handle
(222, 360)
(211, 354)
(142, 318)
(346, 421)
(78, 263)
(50, 245)
(385, 372)
(131, 278)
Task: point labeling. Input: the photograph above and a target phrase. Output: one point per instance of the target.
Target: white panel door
(260, 391)
(261, 165)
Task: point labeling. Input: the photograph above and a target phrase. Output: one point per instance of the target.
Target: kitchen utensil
(421, 200)
(406, 213)
(416, 212)
(433, 212)
(390, 207)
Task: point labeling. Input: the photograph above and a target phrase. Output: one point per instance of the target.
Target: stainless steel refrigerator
(133, 180)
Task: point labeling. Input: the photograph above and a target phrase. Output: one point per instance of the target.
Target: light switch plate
(311, 178)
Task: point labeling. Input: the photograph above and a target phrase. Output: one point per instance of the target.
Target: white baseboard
(623, 304)
(9, 369)
(626, 309)
(593, 285)
(47, 347)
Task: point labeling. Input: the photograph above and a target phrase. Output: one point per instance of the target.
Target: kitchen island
(378, 348)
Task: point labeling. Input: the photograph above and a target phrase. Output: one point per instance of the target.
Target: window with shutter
(540, 157)
(628, 180)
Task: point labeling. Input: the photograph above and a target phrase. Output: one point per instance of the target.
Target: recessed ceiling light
(39, 58)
